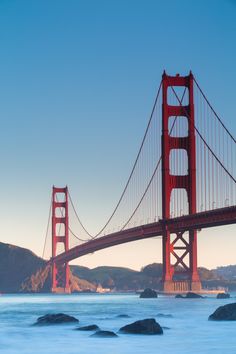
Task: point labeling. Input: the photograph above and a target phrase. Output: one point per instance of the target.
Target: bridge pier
(60, 235)
(183, 275)
(183, 286)
(60, 278)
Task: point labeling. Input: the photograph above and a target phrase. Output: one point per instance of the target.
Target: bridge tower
(174, 244)
(60, 235)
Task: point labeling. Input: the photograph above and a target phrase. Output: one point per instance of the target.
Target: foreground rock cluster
(147, 326)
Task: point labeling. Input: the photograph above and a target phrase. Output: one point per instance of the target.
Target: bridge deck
(217, 217)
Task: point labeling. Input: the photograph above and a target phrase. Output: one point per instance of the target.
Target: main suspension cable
(76, 236)
(131, 174)
(143, 196)
(78, 218)
(217, 116)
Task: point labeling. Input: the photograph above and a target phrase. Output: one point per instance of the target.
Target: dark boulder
(224, 313)
(148, 293)
(88, 328)
(147, 326)
(58, 318)
(104, 334)
(223, 296)
(189, 295)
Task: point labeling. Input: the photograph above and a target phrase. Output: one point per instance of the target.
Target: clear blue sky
(77, 83)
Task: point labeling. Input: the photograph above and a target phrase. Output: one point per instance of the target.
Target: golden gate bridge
(183, 180)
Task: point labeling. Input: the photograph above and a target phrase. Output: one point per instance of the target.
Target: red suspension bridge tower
(60, 235)
(180, 248)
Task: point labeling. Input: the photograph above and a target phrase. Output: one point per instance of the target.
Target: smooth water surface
(190, 331)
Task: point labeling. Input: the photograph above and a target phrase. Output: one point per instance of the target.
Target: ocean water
(190, 331)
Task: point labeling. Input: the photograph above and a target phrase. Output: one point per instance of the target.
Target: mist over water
(190, 331)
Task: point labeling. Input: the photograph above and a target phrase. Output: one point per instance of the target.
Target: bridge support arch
(183, 274)
(60, 235)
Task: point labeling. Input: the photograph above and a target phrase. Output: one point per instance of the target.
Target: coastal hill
(16, 264)
(23, 271)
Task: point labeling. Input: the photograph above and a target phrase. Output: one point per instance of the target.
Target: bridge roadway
(202, 220)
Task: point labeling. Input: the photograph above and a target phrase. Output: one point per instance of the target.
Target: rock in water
(57, 318)
(147, 326)
(224, 313)
(88, 328)
(123, 316)
(164, 315)
(223, 296)
(189, 295)
(104, 334)
(148, 293)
